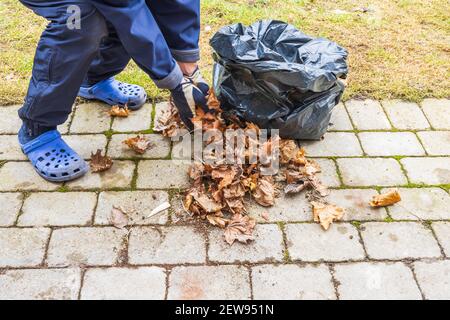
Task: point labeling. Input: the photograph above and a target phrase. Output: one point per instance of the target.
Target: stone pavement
(57, 243)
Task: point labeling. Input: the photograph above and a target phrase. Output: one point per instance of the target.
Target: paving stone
(405, 115)
(436, 143)
(209, 283)
(391, 144)
(160, 147)
(423, 203)
(64, 128)
(434, 279)
(371, 172)
(335, 144)
(328, 175)
(267, 246)
(40, 284)
(85, 247)
(356, 204)
(442, 231)
(367, 115)
(166, 245)
(180, 151)
(399, 240)
(437, 112)
(11, 203)
(119, 176)
(86, 144)
(137, 120)
(309, 242)
(22, 247)
(288, 208)
(430, 171)
(145, 283)
(10, 148)
(9, 120)
(340, 121)
(292, 282)
(138, 204)
(22, 176)
(58, 209)
(91, 118)
(376, 281)
(163, 174)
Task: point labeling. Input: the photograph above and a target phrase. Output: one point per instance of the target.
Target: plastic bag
(277, 77)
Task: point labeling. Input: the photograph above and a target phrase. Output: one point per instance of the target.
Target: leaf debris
(118, 111)
(386, 199)
(138, 144)
(220, 191)
(99, 162)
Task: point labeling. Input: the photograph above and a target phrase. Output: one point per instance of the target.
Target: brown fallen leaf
(326, 214)
(288, 150)
(99, 162)
(118, 217)
(264, 193)
(386, 199)
(169, 122)
(208, 204)
(265, 216)
(296, 188)
(138, 144)
(240, 228)
(117, 111)
(217, 221)
(213, 103)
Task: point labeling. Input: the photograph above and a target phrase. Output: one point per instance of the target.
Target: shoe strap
(44, 138)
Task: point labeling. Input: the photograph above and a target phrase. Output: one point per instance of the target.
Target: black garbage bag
(277, 77)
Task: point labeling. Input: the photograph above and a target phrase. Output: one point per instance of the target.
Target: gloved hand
(185, 97)
(199, 81)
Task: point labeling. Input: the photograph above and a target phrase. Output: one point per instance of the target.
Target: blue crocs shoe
(53, 159)
(114, 92)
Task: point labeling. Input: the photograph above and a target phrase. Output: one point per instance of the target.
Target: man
(87, 54)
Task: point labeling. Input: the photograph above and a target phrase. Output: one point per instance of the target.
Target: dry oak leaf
(100, 163)
(240, 228)
(118, 217)
(326, 214)
(264, 193)
(386, 199)
(117, 111)
(138, 144)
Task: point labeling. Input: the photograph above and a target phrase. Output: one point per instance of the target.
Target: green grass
(398, 48)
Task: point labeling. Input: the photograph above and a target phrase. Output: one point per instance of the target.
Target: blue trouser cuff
(186, 55)
(172, 81)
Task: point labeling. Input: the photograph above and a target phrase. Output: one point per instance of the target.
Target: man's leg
(62, 58)
(179, 21)
(111, 60)
(100, 83)
(142, 38)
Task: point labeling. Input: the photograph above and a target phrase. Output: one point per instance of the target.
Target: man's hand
(185, 97)
(197, 78)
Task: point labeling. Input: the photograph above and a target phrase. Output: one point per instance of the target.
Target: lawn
(397, 49)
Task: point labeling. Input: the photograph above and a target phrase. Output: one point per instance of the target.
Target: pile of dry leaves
(220, 191)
